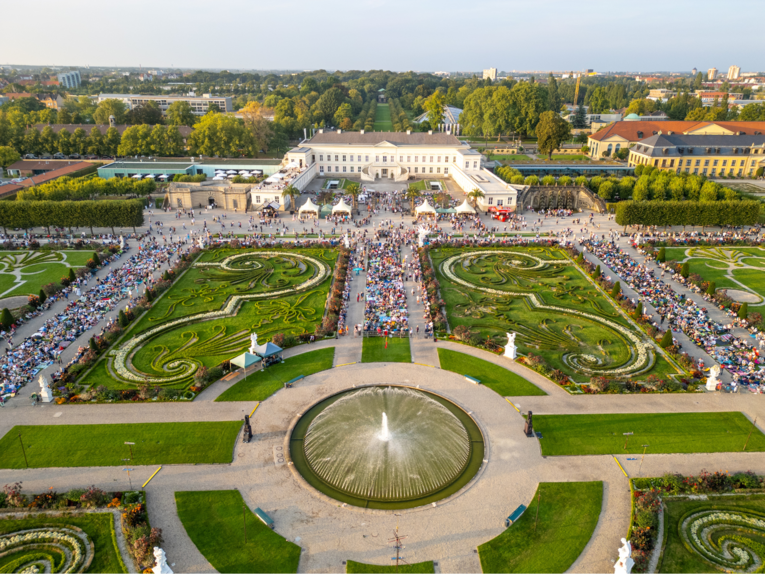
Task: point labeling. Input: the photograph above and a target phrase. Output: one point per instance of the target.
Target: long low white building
(400, 157)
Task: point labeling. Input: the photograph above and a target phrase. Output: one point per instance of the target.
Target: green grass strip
(498, 379)
(103, 445)
(215, 522)
(373, 350)
(417, 568)
(262, 384)
(575, 435)
(98, 526)
(568, 514)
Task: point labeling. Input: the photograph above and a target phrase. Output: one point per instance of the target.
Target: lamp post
(130, 445)
(130, 482)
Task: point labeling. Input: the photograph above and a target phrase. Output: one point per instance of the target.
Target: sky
(397, 35)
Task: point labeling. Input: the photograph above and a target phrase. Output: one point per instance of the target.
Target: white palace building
(399, 157)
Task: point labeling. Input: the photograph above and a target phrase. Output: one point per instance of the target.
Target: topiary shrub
(662, 255)
(685, 270)
(596, 273)
(743, 312)
(617, 290)
(666, 340)
(6, 319)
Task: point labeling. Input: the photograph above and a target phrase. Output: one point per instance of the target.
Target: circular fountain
(386, 447)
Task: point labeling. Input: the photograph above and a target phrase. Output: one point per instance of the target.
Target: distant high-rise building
(490, 74)
(712, 73)
(734, 72)
(694, 71)
(70, 79)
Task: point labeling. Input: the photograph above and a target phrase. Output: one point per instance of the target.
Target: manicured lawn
(502, 381)
(36, 268)
(677, 557)
(98, 526)
(574, 435)
(511, 157)
(539, 294)
(103, 445)
(566, 157)
(752, 278)
(262, 384)
(383, 121)
(568, 514)
(373, 350)
(215, 522)
(417, 568)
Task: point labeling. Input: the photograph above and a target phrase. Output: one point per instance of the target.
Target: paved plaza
(330, 533)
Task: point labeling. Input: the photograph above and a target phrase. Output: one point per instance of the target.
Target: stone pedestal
(46, 395)
(511, 351)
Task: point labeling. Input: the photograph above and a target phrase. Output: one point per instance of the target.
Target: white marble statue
(46, 395)
(510, 348)
(625, 563)
(346, 241)
(201, 242)
(161, 560)
(422, 232)
(713, 378)
(253, 343)
(122, 243)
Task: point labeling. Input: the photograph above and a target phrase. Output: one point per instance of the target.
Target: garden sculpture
(528, 428)
(510, 348)
(625, 563)
(46, 395)
(254, 343)
(122, 243)
(346, 241)
(161, 566)
(714, 378)
(423, 232)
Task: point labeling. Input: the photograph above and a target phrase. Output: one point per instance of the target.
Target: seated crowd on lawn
(682, 314)
(385, 309)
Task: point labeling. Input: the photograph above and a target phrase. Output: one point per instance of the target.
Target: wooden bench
(265, 518)
(515, 515)
(288, 384)
(472, 379)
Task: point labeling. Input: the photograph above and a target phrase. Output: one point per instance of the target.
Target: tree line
(704, 214)
(76, 189)
(71, 214)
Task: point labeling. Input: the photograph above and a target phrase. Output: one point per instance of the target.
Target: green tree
(7, 319)
(553, 98)
(111, 142)
(221, 135)
(180, 114)
(662, 255)
(606, 190)
(529, 103)
(666, 340)
(552, 131)
(49, 140)
(42, 296)
(434, 106)
(580, 118)
(616, 290)
(173, 142)
(411, 194)
(638, 310)
(353, 190)
(95, 143)
(8, 156)
(290, 192)
(327, 104)
(475, 195)
(148, 114)
(64, 141)
(685, 270)
(79, 141)
(123, 320)
(343, 112)
(107, 108)
(743, 311)
(712, 288)
(596, 273)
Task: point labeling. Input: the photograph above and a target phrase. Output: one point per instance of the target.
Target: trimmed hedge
(695, 213)
(29, 214)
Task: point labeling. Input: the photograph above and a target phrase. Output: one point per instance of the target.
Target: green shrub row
(703, 214)
(69, 214)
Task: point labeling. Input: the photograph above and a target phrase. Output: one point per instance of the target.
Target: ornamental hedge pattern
(47, 549)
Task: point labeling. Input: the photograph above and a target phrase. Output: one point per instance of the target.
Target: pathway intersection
(328, 533)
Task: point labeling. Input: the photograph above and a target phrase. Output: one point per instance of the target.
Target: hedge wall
(695, 213)
(69, 214)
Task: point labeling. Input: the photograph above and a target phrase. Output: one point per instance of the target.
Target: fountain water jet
(384, 433)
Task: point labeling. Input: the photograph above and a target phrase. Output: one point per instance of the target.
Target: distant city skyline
(394, 35)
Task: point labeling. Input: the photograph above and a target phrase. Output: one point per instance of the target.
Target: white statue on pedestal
(122, 243)
(253, 343)
(625, 563)
(510, 348)
(422, 232)
(346, 241)
(46, 395)
(161, 566)
(201, 242)
(714, 378)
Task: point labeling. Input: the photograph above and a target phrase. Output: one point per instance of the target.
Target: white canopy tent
(137, 176)
(219, 178)
(275, 177)
(150, 176)
(465, 207)
(341, 207)
(243, 171)
(309, 206)
(425, 208)
(291, 165)
(231, 171)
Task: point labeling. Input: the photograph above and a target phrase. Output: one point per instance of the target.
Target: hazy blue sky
(388, 34)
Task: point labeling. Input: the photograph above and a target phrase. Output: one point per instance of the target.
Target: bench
(265, 518)
(515, 515)
(472, 379)
(288, 384)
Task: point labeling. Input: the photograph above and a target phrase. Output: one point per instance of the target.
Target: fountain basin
(386, 447)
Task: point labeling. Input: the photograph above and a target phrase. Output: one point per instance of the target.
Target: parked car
(59, 155)
(45, 156)
(30, 156)
(74, 156)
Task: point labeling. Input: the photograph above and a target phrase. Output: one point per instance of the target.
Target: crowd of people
(385, 307)
(681, 313)
(90, 299)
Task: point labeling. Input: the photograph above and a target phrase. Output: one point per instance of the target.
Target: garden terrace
(209, 313)
(566, 326)
(26, 272)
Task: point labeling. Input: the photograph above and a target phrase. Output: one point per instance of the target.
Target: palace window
(446, 171)
(336, 159)
(351, 169)
(491, 201)
(438, 170)
(431, 169)
(475, 165)
(416, 158)
(500, 202)
(431, 159)
(321, 158)
(408, 159)
(343, 169)
(377, 159)
(725, 162)
(344, 158)
(415, 171)
(439, 159)
(321, 170)
(697, 164)
(467, 164)
(385, 159)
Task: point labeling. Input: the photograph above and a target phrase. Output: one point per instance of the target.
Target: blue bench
(265, 518)
(288, 384)
(515, 515)
(472, 379)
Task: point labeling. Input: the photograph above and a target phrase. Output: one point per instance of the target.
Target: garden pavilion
(309, 206)
(425, 209)
(465, 208)
(341, 207)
